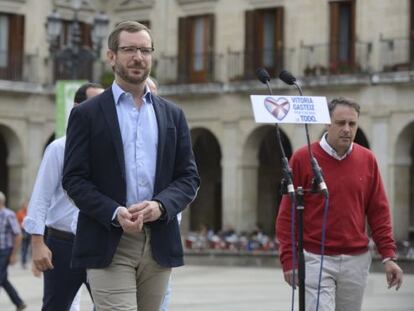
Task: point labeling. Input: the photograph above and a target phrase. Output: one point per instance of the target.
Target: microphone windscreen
(262, 75)
(287, 77)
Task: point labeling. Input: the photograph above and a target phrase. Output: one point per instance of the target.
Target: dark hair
(128, 26)
(80, 95)
(343, 101)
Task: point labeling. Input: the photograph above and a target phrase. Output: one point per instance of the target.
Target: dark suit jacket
(94, 178)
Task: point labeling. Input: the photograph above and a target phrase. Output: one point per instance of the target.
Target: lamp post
(73, 55)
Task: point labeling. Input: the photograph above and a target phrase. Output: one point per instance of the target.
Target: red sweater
(356, 194)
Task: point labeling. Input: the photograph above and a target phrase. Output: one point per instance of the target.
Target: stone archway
(403, 184)
(11, 166)
(361, 139)
(262, 175)
(207, 207)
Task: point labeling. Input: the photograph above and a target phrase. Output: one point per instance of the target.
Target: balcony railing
(197, 68)
(232, 66)
(395, 54)
(241, 65)
(24, 69)
(316, 59)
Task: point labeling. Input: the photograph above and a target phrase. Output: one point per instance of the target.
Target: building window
(11, 46)
(195, 44)
(342, 35)
(264, 41)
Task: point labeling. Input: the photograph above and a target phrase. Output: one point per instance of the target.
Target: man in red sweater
(356, 197)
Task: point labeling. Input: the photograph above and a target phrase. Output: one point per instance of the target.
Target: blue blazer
(94, 178)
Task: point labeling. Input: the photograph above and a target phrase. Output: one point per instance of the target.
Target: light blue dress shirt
(139, 132)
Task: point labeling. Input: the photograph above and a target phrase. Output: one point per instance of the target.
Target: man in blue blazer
(130, 169)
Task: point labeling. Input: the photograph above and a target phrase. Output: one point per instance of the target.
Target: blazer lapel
(160, 113)
(108, 107)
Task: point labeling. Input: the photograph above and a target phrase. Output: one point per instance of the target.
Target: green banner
(65, 94)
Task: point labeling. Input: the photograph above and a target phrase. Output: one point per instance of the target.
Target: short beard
(123, 74)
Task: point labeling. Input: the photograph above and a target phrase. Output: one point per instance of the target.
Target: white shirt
(331, 151)
(49, 205)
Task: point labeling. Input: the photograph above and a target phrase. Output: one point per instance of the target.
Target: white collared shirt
(331, 151)
(49, 205)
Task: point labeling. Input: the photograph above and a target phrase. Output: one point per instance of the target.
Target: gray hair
(343, 101)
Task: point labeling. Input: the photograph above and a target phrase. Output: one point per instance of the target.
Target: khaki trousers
(133, 281)
(344, 278)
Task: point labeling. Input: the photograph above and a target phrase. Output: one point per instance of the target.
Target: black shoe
(21, 307)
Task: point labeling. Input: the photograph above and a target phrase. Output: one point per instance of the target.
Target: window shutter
(279, 39)
(210, 46)
(334, 33)
(16, 46)
(249, 44)
(183, 39)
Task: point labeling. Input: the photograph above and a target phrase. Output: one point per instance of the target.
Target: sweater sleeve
(378, 215)
(283, 233)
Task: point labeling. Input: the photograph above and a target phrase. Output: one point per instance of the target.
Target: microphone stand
(317, 185)
(287, 187)
(286, 170)
(301, 256)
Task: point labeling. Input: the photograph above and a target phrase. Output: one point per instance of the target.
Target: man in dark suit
(130, 169)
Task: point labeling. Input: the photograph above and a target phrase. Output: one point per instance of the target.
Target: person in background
(10, 239)
(356, 198)
(130, 170)
(25, 245)
(153, 86)
(53, 214)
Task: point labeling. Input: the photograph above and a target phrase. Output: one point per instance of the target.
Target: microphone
(290, 79)
(264, 77)
(287, 77)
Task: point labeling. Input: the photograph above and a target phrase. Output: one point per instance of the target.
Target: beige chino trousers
(133, 281)
(344, 278)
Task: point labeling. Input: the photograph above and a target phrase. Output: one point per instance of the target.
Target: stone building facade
(206, 53)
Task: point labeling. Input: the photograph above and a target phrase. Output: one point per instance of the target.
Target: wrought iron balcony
(210, 67)
(336, 58)
(242, 65)
(198, 68)
(15, 68)
(396, 54)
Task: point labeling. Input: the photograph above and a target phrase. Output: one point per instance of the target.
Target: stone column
(231, 201)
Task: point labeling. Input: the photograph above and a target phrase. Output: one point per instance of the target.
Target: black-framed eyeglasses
(132, 50)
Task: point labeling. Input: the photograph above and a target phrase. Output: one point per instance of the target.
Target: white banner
(290, 109)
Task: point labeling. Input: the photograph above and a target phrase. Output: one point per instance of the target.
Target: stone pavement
(207, 288)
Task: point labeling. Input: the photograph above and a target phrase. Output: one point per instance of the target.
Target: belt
(61, 235)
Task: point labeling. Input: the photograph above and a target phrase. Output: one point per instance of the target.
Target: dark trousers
(4, 281)
(62, 282)
(25, 248)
